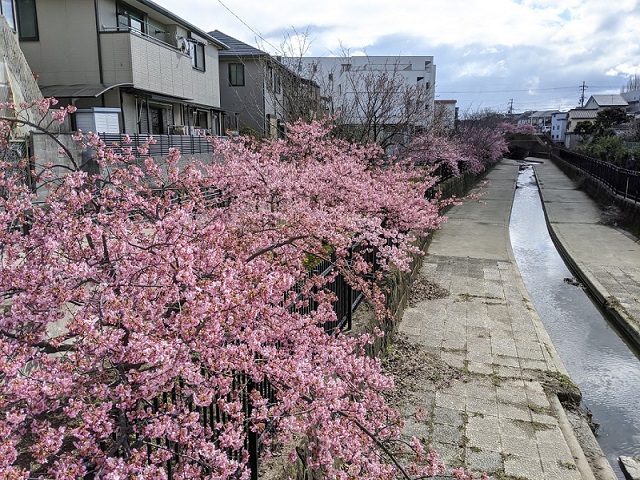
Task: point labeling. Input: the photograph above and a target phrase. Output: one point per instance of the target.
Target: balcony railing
(187, 144)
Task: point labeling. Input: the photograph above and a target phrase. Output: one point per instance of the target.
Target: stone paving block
(515, 412)
(544, 418)
(448, 416)
(479, 367)
(552, 445)
(484, 461)
(533, 364)
(508, 372)
(512, 391)
(447, 433)
(564, 471)
(506, 361)
(518, 446)
(488, 424)
(414, 428)
(459, 388)
(454, 359)
(510, 427)
(482, 406)
(484, 390)
(532, 353)
(454, 342)
(450, 454)
(449, 401)
(524, 468)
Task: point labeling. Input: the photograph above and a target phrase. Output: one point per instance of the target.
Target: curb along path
(500, 414)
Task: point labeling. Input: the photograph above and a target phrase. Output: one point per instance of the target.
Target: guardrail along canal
(597, 357)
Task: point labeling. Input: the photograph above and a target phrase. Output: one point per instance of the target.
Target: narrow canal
(598, 359)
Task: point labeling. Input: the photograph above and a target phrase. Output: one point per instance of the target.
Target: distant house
(600, 102)
(633, 100)
(558, 126)
(523, 118)
(541, 120)
(261, 93)
(131, 67)
(575, 116)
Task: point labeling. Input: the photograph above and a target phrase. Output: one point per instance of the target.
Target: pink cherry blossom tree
(144, 305)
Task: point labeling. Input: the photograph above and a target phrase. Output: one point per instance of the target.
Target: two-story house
(131, 67)
(259, 93)
(558, 126)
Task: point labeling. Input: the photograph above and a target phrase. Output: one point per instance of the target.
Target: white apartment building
(382, 90)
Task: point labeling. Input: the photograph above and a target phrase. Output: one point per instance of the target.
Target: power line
(257, 34)
(519, 90)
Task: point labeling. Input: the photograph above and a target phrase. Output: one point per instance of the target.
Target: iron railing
(621, 181)
(187, 144)
(347, 299)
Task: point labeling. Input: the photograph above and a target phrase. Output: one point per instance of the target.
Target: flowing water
(597, 357)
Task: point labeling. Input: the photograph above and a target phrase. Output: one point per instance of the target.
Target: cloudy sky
(488, 53)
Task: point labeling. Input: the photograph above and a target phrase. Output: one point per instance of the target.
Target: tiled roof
(609, 100)
(543, 113)
(582, 113)
(236, 47)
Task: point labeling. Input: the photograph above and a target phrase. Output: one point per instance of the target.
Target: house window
(6, 8)
(196, 51)
(236, 74)
(278, 84)
(27, 19)
(131, 18)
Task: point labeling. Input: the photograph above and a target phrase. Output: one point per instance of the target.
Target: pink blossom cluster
(525, 129)
(471, 149)
(132, 305)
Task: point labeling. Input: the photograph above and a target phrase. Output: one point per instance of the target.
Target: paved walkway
(500, 418)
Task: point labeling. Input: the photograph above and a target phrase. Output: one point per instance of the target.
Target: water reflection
(597, 358)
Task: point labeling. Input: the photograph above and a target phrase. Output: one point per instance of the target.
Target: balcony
(151, 63)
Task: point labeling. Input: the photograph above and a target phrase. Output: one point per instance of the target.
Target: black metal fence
(346, 300)
(621, 181)
(187, 144)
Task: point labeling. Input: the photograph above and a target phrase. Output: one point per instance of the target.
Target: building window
(6, 8)
(27, 19)
(278, 84)
(131, 18)
(196, 51)
(236, 74)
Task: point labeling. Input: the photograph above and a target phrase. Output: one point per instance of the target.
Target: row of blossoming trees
(132, 305)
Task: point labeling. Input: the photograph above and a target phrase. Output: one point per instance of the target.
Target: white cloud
(568, 41)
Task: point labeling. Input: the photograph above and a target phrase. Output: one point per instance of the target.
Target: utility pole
(583, 87)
